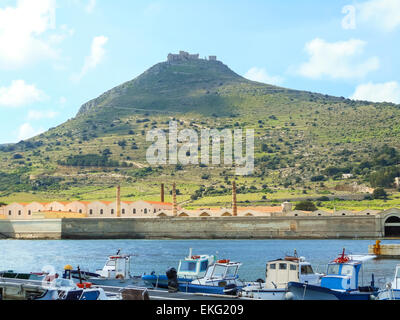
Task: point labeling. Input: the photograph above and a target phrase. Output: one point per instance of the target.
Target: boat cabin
(280, 272)
(223, 269)
(195, 266)
(116, 267)
(342, 276)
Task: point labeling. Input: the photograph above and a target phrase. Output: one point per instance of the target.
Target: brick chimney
(234, 202)
(118, 201)
(162, 193)
(175, 207)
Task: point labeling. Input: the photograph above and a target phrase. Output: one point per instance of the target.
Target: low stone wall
(31, 229)
(223, 228)
(335, 227)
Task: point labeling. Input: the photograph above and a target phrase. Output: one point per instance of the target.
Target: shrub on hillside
(306, 206)
(379, 193)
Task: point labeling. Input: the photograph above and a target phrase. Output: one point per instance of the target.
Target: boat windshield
(307, 269)
(347, 270)
(188, 266)
(219, 271)
(333, 269)
(110, 263)
(231, 271)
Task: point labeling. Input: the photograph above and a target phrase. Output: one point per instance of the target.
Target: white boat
(66, 289)
(116, 272)
(220, 278)
(278, 273)
(392, 290)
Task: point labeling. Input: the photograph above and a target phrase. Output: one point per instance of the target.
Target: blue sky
(57, 54)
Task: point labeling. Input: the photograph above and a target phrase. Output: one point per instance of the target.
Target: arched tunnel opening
(392, 227)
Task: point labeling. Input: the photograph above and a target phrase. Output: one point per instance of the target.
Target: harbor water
(159, 255)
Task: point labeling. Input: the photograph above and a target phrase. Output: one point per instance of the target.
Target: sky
(55, 55)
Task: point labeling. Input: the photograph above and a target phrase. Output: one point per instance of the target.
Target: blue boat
(190, 268)
(220, 278)
(341, 282)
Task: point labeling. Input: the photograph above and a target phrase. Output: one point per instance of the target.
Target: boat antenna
(80, 276)
(295, 253)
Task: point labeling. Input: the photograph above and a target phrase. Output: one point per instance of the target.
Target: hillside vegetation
(304, 141)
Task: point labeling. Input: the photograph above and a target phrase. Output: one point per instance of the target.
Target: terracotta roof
(63, 202)
(158, 202)
(261, 209)
(106, 202)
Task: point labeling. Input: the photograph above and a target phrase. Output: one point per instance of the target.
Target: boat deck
(154, 294)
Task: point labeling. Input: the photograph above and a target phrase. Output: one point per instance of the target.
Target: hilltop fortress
(185, 56)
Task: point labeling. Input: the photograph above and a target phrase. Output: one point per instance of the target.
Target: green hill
(304, 141)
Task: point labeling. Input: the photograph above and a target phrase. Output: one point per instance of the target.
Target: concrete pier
(382, 251)
(280, 227)
(222, 228)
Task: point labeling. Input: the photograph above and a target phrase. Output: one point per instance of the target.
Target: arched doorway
(392, 227)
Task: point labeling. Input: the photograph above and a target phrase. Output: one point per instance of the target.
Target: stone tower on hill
(185, 56)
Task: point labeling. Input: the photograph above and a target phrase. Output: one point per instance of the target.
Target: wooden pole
(162, 193)
(175, 207)
(234, 201)
(118, 201)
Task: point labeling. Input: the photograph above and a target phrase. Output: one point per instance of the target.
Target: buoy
(223, 261)
(84, 285)
(68, 267)
(342, 259)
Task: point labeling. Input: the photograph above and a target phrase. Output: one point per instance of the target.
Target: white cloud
(378, 92)
(38, 115)
(96, 56)
(349, 20)
(341, 59)
(385, 14)
(261, 75)
(19, 94)
(21, 28)
(90, 6)
(26, 131)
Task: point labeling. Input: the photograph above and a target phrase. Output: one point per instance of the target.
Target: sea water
(159, 255)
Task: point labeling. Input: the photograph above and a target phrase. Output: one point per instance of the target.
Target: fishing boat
(66, 289)
(115, 272)
(190, 268)
(392, 290)
(341, 282)
(277, 275)
(35, 276)
(220, 278)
